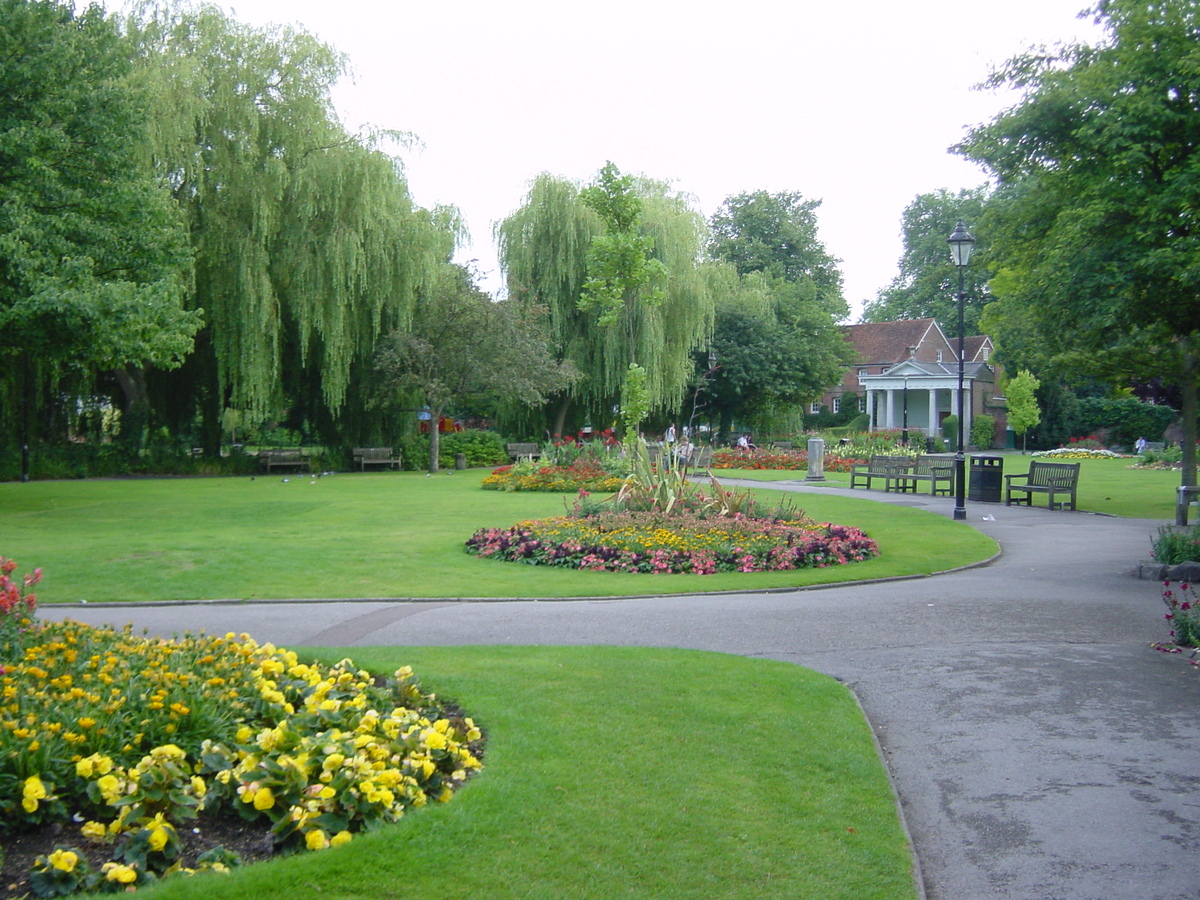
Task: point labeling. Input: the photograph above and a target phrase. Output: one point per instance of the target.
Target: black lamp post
(961, 243)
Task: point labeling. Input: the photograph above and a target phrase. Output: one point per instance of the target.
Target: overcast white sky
(853, 104)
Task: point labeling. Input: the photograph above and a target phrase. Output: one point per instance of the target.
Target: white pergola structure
(928, 392)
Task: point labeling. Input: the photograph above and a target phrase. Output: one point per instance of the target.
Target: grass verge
(372, 535)
(620, 772)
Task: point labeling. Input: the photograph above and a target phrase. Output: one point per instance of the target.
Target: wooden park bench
(888, 468)
(1050, 478)
(937, 470)
(518, 452)
(376, 456)
(284, 458)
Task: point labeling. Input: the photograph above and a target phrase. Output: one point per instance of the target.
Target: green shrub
(950, 429)
(1175, 545)
(983, 432)
(1126, 419)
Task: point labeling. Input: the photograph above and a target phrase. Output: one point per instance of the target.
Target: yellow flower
(316, 840)
(64, 860)
(263, 798)
(110, 788)
(342, 837)
(119, 873)
(34, 789)
(94, 831)
(199, 788)
(158, 833)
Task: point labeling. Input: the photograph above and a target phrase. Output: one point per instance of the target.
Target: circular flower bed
(649, 542)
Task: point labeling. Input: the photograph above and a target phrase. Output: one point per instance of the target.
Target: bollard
(816, 460)
(460, 461)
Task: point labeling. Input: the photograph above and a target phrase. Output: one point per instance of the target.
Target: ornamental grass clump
(120, 739)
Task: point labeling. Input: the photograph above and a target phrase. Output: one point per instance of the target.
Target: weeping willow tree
(545, 248)
(307, 244)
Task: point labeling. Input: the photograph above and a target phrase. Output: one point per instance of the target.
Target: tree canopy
(93, 256)
(557, 250)
(927, 283)
(1093, 227)
(307, 244)
(460, 347)
(778, 301)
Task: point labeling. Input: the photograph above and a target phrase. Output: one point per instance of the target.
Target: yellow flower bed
(131, 735)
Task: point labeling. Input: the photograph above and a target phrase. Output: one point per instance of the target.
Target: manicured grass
(371, 535)
(620, 772)
(1112, 486)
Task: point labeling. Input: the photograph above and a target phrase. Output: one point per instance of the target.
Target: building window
(939, 356)
(987, 353)
(815, 407)
(862, 404)
(837, 405)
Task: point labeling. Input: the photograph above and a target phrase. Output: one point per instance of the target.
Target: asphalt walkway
(1040, 748)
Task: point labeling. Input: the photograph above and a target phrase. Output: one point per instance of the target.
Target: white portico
(920, 394)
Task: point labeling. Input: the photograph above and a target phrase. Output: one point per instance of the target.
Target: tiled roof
(887, 342)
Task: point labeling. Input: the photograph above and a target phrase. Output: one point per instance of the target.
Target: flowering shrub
(651, 542)
(584, 473)
(1078, 453)
(1183, 613)
(17, 607)
(132, 736)
(1175, 545)
(776, 459)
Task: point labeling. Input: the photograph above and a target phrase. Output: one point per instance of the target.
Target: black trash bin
(985, 479)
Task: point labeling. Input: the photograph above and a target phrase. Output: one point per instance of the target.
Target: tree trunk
(136, 412)
(435, 418)
(1188, 385)
(560, 417)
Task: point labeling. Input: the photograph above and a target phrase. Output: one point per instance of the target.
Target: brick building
(907, 373)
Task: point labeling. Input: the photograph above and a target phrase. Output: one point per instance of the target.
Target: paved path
(1041, 750)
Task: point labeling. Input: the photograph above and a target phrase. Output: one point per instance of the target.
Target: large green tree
(927, 282)
(461, 347)
(557, 251)
(308, 246)
(778, 305)
(93, 256)
(1095, 239)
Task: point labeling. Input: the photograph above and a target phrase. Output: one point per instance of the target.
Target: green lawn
(1112, 486)
(620, 772)
(371, 535)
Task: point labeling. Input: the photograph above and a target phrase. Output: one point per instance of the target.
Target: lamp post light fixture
(961, 244)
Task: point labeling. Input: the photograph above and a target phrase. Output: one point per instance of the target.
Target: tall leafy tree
(776, 338)
(927, 283)
(93, 257)
(460, 347)
(1094, 229)
(1023, 412)
(555, 249)
(308, 246)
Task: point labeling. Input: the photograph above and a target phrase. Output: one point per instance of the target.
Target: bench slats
(1049, 478)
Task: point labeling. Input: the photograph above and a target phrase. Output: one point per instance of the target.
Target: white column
(870, 410)
(891, 409)
(932, 430)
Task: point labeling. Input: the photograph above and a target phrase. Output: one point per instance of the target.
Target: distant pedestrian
(669, 436)
(1140, 446)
